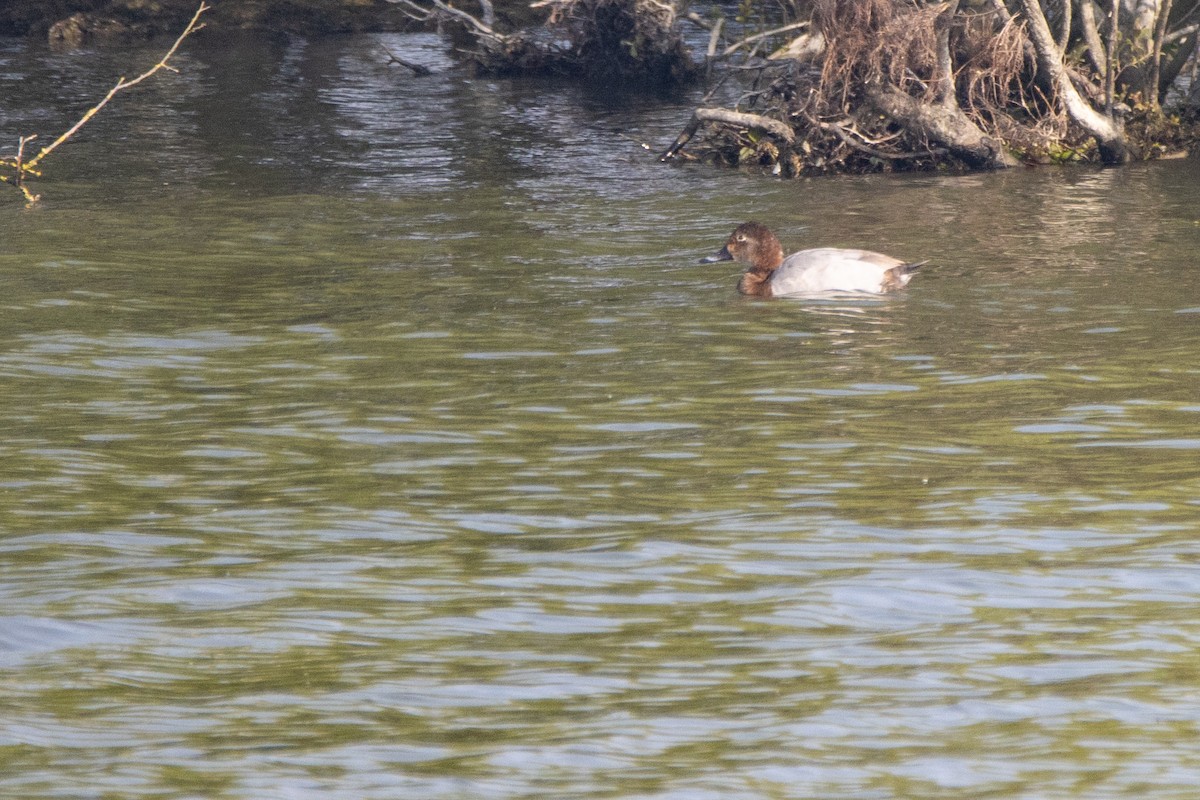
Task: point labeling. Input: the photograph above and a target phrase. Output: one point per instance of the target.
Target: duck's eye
(741, 237)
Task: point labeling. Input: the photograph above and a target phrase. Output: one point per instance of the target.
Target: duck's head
(751, 243)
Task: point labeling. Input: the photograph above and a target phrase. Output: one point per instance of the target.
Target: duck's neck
(756, 282)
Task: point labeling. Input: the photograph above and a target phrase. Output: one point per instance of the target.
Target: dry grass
(894, 42)
(876, 41)
(875, 48)
(991, 64)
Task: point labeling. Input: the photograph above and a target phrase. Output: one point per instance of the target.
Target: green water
(397, 446)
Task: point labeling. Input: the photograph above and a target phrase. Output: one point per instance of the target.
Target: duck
(813, 271)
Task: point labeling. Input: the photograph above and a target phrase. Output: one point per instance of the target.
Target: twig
(841, 133)
(714, 37)
(475, 23)
(736, 119)
(700, 21)
(721, 79)
(419, 70)
(20, 162)
(30, 197)
(1181, 33)
(733, 48)
(481, 27)
(122, 84)
(861, 136)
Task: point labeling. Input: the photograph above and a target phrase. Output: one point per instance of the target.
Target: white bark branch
(1108, 133)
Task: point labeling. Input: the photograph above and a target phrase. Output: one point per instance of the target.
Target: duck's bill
(721, 256)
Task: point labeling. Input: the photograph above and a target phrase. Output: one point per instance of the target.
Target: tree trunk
(945, 124)
(1090, 32)
(1154, 89)
(945, 61)
(1108, 132)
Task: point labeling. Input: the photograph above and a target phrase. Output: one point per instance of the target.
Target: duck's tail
(901, 274)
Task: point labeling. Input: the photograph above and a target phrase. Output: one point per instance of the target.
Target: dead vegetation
(870, 85)
(623, 40)
(901, 84)
(881, 96)
(620, 42)
(804, 86)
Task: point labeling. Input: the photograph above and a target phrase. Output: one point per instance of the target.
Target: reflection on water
(380, 437)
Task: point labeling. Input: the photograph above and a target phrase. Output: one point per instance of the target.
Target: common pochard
(821, 269)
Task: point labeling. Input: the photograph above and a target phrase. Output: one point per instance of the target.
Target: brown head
(752, 243)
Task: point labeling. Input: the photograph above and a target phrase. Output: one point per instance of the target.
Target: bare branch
(419, 70)
(1110, 58)
(30, 197)
(1180, 33)
(859, 142)
(1160, 33)
(741, 119)
(1091, 37)
(733, 48)
(481, 27)
(1104, 127)
(945, 64)
(123, 84)
(714, 37)
(478, 25)
(1064, 30)
(947, 125)
(736, 119)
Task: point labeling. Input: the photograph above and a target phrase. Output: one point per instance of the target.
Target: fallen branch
(725, 116)
(860, 144)
(945, 125)
(1105, 127)
(481, 27)
(25, 168)
(733, 48)
(420, 70)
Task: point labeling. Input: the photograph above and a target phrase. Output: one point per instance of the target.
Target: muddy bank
(75, 22)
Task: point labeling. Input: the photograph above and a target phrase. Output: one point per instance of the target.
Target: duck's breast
(832, 269)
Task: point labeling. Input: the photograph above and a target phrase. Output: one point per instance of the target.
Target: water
(371, 436)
